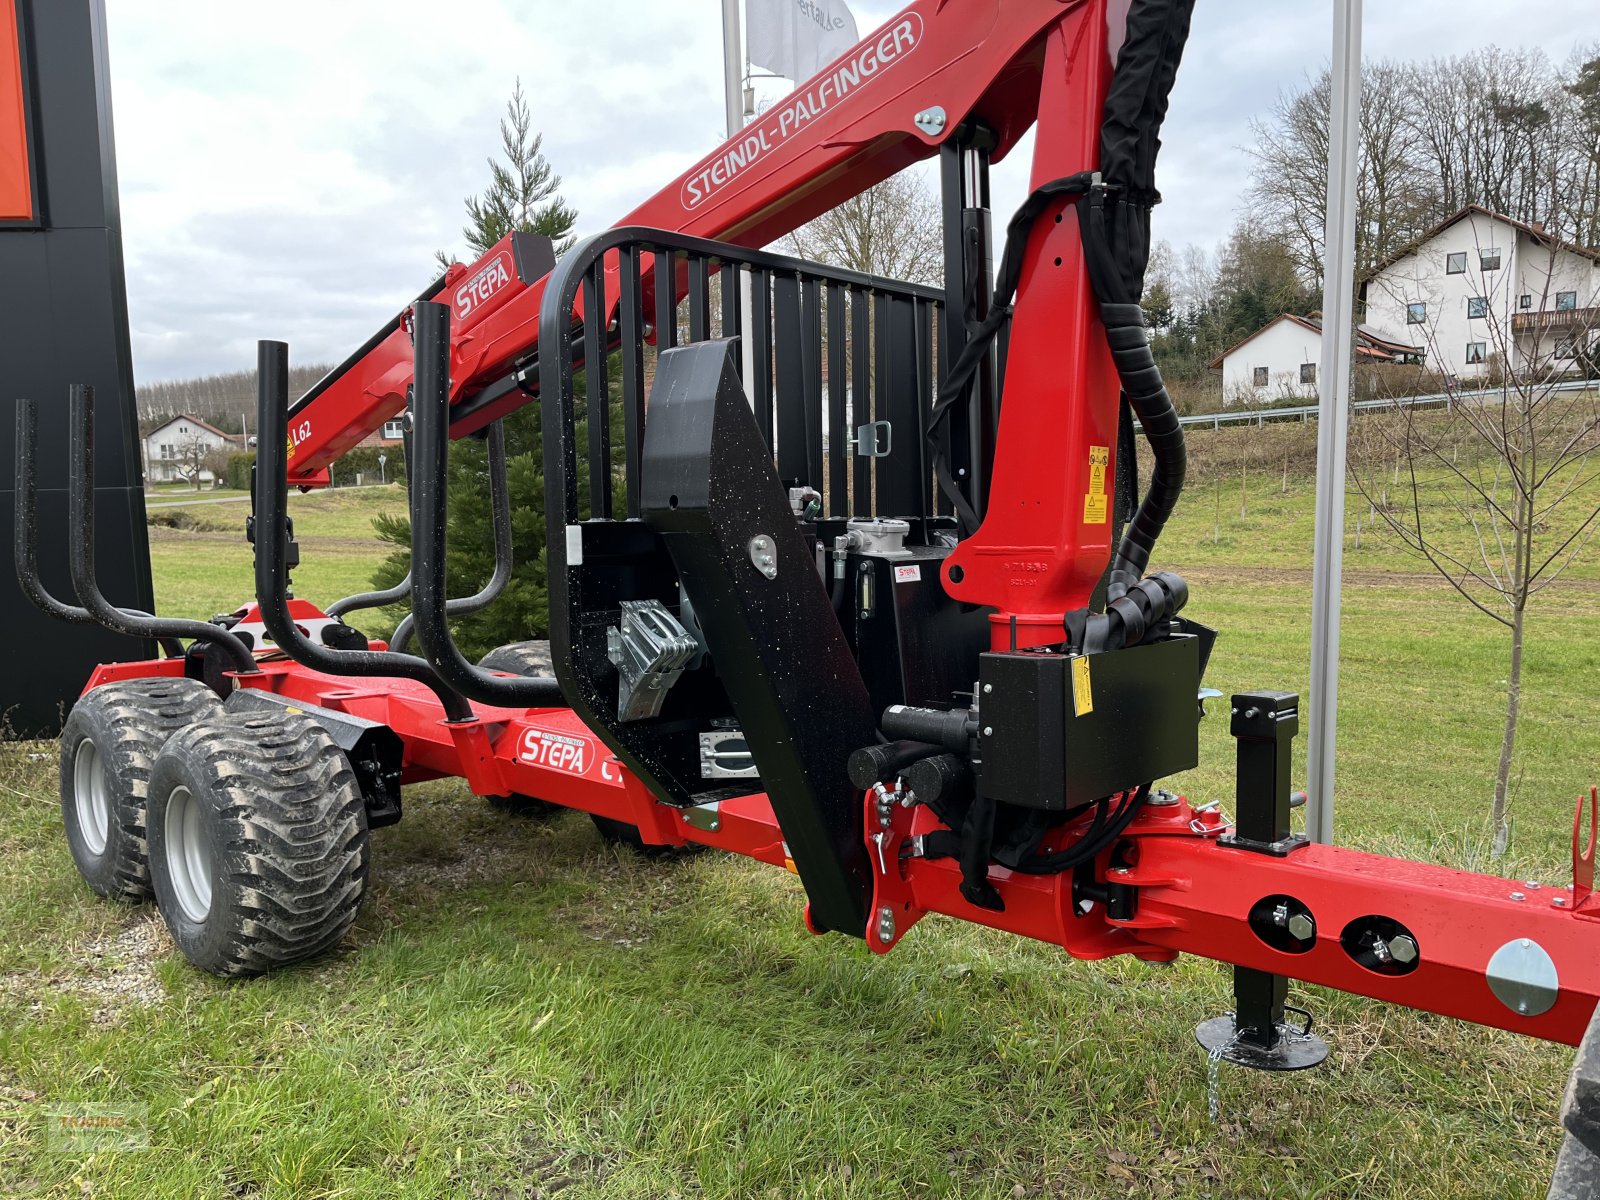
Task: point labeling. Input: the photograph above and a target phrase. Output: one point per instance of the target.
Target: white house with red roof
(1281, 360)
(176, 450)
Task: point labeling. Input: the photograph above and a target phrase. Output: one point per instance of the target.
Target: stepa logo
(475, 292)
(571, 753)
(864, 64)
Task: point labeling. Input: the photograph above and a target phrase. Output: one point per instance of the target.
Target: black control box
(1063, 730)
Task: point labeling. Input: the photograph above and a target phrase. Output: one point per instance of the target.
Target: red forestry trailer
(855, 583)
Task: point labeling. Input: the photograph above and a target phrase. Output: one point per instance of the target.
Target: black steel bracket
(710, 489)
(1264, 725)
(374, 750)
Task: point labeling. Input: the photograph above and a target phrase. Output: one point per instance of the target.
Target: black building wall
(64, 320)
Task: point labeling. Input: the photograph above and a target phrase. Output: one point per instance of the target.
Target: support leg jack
(1256, 1034)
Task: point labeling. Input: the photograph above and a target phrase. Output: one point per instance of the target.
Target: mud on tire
(108, 749)
(259, 850)
(531, 659)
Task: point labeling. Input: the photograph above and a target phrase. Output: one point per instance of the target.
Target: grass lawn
(522, 1011)
(207, 569)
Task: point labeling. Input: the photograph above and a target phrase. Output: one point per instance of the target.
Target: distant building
(390, 434)
(1480, 285)
(174, 451)
(1282, 360)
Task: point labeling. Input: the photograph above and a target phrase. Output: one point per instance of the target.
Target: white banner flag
(797, 38)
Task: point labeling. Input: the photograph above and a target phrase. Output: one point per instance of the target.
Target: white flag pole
(732, 67)
(1333, 425)
(733, 99)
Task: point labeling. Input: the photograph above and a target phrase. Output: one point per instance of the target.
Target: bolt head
(1518, 896)
(1302, 927)
(1559, 901)
(988, 731)
(1403, 949)
(987, 688)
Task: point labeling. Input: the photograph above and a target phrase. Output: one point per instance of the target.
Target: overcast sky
(287, 170)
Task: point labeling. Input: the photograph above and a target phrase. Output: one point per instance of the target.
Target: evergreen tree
(522, 195)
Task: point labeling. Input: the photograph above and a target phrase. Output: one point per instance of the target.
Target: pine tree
(522, 195)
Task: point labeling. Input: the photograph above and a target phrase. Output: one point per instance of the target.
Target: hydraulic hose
(1147, 396)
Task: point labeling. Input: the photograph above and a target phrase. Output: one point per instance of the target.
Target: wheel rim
(92, 796)
(188, 855)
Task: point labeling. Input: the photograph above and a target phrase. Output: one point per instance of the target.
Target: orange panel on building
(16, 187)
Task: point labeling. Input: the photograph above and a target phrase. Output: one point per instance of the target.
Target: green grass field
(208, 570)
(524, 1012)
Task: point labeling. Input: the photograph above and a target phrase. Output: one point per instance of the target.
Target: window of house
(1476, 352)
(394, 429)
(1416, 314)
(1308, 372)
(1525, 301)
(1259, 377)
(1455, 264)
(1565, 348)
(166, 451)
(1566, 301)
(1489, 259)
(1477, 307)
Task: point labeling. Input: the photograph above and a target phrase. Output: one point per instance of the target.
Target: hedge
(361, 461)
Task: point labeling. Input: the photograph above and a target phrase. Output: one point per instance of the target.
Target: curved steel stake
(431, 427)
(272, 574)
(80, 547)
(500, 505)
(25, 528)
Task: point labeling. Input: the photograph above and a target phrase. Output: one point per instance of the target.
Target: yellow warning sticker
(1096, 503)
(1082, 692)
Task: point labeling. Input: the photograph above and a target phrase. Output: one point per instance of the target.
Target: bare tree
(216, 463)
(189, 458)
(227, 401)
(1394, 197)
(1497, 494)
(1501, 128)
(892, 229)
(1578, 168)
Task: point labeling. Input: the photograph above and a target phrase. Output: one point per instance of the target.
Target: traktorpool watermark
(95, 1128)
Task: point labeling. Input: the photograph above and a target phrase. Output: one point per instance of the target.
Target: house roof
(1369, 343)
(1538, 233)
(194, 420)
